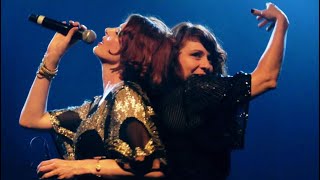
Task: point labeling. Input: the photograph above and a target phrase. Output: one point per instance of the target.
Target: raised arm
(34, 113)
(265, 75)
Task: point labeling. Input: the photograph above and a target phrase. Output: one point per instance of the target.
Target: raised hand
(271, 14)
(59, 44)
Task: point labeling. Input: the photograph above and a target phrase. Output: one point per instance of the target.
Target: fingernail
(252, 10)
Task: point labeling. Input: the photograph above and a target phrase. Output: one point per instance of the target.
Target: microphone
(88, 36)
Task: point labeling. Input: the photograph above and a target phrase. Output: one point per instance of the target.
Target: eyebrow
(199, 50)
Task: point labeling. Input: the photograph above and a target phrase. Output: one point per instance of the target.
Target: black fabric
(70, 120)
(134, 133)
(200, 124)
(90, 145)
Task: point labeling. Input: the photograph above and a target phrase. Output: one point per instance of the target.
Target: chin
(97, 52)
(94, 50)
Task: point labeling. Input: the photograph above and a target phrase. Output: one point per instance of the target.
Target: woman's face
(107, 49)
(193, 59)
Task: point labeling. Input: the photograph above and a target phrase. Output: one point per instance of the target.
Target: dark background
(282, 140)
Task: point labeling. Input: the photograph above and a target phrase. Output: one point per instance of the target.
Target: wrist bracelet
(44, 72)
(98, 166)
(45, 67)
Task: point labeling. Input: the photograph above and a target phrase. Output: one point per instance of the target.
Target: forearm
(271, 60)
(265, 75)
(34, 110)
(108, 168)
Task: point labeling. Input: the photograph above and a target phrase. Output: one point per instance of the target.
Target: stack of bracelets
(44, 72)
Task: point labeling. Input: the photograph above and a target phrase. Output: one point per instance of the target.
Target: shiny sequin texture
(124, 101)
(231, 93)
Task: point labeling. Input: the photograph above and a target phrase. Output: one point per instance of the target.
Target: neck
(109, 76)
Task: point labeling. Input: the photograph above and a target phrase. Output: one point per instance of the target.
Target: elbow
(24, 122)
(33, 121)
(259, 86)
(24, 119)
(272, 84)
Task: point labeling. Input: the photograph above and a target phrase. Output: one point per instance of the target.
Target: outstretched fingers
(263, 23)
(271, 26)
(261, 16)
(257, 12)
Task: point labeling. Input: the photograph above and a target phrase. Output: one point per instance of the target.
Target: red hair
(145, 50)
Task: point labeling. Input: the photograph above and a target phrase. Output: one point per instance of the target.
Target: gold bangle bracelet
(44, 65)
(44, 72)
(42, 75)
(48, 71)
(98, 165)
(98, 168)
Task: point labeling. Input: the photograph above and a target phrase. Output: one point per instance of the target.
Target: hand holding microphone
(88, 36)
(67, 35)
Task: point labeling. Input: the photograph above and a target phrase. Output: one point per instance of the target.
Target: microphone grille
(89, 36)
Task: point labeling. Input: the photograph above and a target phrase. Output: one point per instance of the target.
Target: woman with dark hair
(112, 135)
(203, 111)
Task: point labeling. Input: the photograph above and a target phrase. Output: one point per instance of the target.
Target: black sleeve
(65, 123)
(69, 120)
(145, 154)
(237, 102)
(230, 94)
(183, 108)
(139, 147)
(136, 135)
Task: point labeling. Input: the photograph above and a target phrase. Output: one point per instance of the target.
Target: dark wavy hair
(186, 31)
(145, 51)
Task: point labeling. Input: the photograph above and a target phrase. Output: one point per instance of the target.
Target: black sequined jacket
(202, 121)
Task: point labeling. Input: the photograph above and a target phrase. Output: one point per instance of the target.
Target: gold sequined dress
(122, 127)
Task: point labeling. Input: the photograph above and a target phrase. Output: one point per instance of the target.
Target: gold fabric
(124, 102)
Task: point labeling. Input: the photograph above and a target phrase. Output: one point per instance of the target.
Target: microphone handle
(55, 25)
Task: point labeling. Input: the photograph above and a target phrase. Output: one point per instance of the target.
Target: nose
(109, 30)
(205, 65)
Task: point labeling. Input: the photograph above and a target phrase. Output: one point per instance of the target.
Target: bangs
(197, 34)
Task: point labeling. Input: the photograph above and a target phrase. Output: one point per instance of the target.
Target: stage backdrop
(282, 140)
